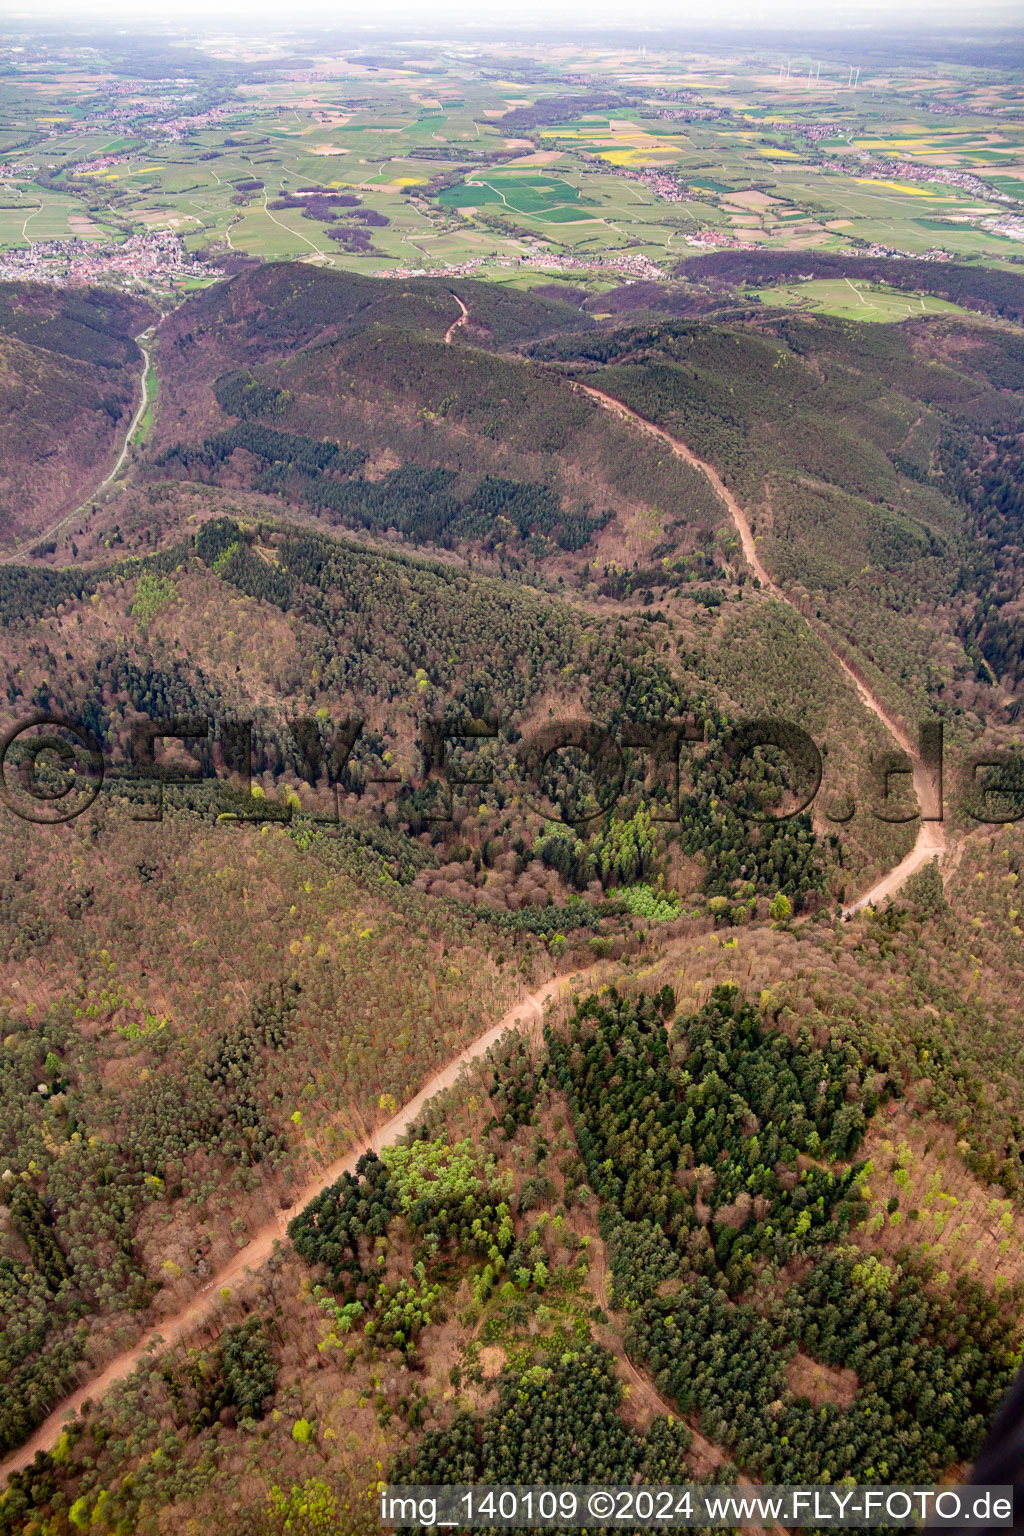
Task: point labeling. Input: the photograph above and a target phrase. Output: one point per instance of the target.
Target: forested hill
(346, 923)
(991, 290)
(92, 325)
(342, 395)
(273, 311)
(407, 647)
(463, 674)
(287, 305)
(68, 376)
(878, 466)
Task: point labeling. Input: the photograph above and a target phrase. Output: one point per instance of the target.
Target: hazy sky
(430, 16)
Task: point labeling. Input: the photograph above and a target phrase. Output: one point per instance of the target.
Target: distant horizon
(578, 17)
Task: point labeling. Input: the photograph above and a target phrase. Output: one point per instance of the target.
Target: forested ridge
(991, 290)
(91, 325)
(423, 641)
(467, 675)
(290, 303)
(70, 372)
(413, 648)
(880, 481)
(378, 380)
(684, 1191)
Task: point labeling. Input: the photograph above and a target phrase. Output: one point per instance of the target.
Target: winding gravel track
(931, 838)
(260, 1247)
(930, 842)
(450, 332)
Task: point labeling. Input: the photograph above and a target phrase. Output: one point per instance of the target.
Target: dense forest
(423, 504)
(677, 1202)
(889, 486)
(992, 290)
(378, 379)
(478, 719)
(722, 1170)
(382, 628)
(69, 379)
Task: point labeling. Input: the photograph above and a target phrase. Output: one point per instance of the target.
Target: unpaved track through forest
(450, 332)
(714, 1456)
(260, 1247)
(931, 838)
(930, 842)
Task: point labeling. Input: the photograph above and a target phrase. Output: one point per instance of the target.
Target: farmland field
(488, 157)
(522, 192)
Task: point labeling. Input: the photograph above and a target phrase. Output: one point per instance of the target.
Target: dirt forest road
(450, 332)
(172, 1330)
(931, 839)
(260, 1247)
(711, 1456)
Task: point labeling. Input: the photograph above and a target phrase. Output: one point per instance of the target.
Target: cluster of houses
(157, 259)
(910, 170)
(627, 264)
(665, 184)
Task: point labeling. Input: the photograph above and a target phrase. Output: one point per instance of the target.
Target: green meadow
(436, 153)
(851, 300)
(523, 193)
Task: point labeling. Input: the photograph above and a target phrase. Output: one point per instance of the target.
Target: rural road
(260, 1247)
(69, 517)
(141, 343)
(297, 232)
(931, 838)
